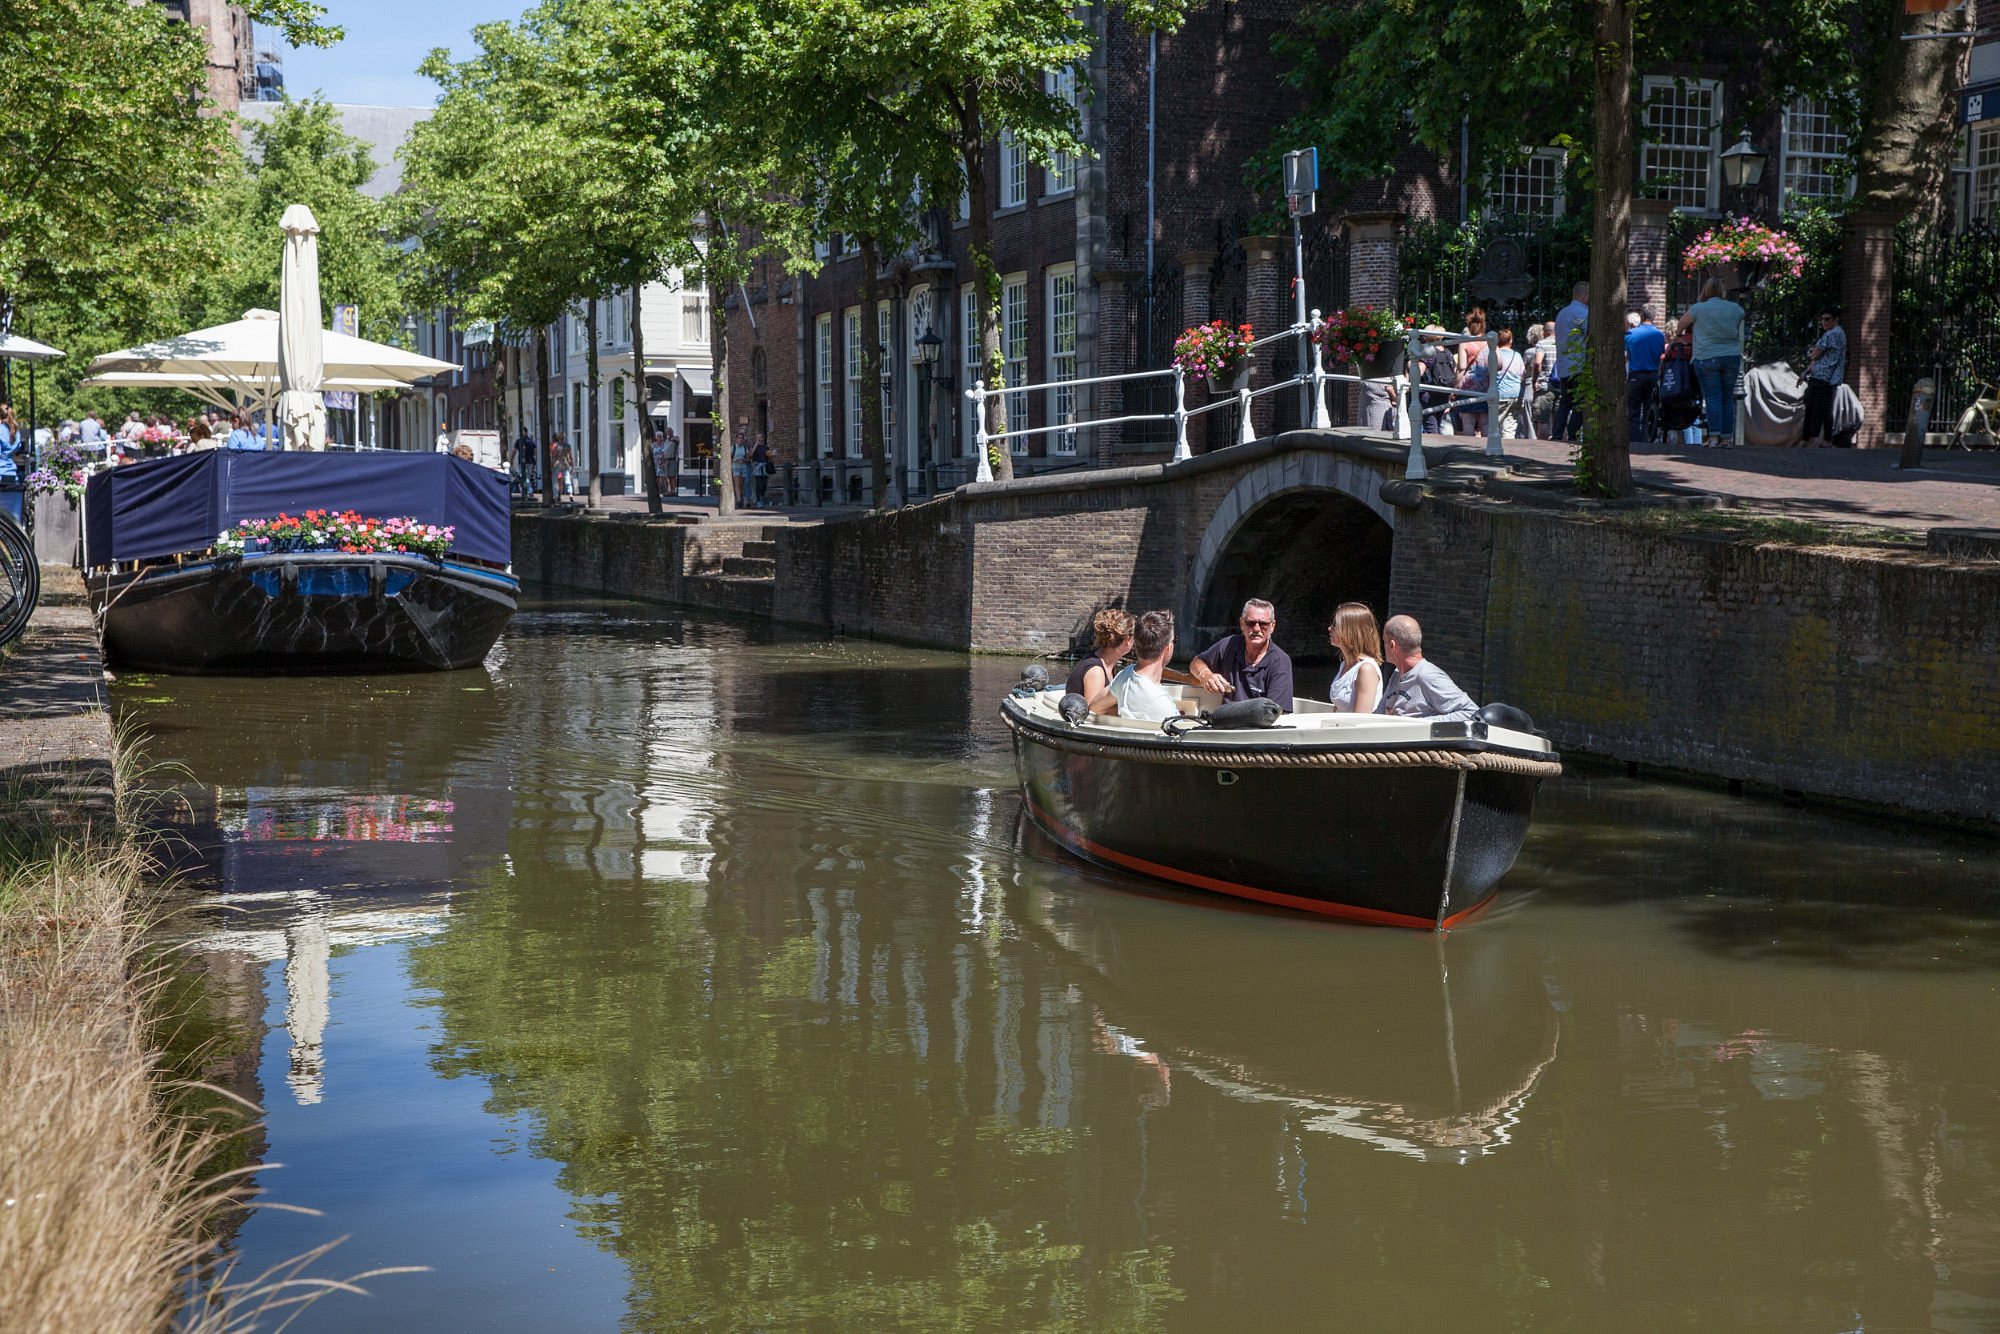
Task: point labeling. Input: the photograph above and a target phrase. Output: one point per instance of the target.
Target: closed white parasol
(301, 356)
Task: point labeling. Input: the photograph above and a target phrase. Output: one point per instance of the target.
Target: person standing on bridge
(1249, 665)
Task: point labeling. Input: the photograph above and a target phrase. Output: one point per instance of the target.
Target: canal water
(669, 973)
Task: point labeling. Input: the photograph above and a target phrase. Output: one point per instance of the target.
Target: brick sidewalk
(1858, 486)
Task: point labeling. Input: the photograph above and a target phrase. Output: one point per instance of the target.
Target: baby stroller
(1679, 394)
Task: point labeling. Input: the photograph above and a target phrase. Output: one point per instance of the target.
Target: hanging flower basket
(1216, 352)
(1364, 337)
(1753, 250)
(322, 530)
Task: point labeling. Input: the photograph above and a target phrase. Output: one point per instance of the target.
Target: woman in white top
(1358, 688)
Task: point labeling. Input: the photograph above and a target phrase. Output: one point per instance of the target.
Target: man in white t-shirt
(1136, 692)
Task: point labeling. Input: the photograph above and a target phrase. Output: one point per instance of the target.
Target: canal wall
(1822, 671)
(1862, 676)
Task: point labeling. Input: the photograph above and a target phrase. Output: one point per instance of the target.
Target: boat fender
(1074, 709)
(1245, 713)
(1507, 716)
(1034, 680)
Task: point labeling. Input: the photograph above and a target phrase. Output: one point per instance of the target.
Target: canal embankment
(1848, 659)
(100, 1204)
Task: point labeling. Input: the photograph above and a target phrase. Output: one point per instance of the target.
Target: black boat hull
(302, 612)
(1409, 846)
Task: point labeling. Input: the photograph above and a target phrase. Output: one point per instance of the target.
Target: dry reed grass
(107, 1198)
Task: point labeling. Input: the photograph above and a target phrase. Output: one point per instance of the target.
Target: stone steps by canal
(746, 583)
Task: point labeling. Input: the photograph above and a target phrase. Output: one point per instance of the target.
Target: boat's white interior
(1312, 721)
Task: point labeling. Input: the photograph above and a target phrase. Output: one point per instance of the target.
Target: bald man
(1419, 689)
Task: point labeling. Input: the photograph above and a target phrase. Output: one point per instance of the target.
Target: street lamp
(1743, 168)
(1742, 164)
(925, 350)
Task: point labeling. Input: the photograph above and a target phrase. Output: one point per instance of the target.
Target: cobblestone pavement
(55, 738)
(1859, 486)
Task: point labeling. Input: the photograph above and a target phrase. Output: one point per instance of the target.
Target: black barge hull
(306, 612)
(1422, 846)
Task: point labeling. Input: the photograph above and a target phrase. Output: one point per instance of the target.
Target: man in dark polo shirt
(1248, 665)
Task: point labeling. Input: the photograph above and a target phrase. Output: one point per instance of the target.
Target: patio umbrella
(241, 359)
(301, 356)
(13, 347)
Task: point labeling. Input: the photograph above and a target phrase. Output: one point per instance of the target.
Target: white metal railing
(1405, 389)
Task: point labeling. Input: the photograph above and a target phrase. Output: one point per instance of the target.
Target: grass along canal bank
(118, 1171)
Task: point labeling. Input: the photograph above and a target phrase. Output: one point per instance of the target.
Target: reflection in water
(746, 941)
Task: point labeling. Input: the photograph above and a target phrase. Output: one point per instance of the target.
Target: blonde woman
(1358, 687)
(1111, 632)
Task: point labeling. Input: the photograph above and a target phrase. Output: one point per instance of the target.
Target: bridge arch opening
(1306, 551)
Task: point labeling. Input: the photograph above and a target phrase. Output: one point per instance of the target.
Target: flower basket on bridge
(1365, 338)
(1218, 353)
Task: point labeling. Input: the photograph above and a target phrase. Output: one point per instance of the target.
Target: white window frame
(694, 317)
(850, 338)
(1983, 156)
(823, 345)
(968, 356)
(1013, 172)
(1825, 151)
(614, 416)
(1060, 178)
(1060, 286)
(1653, 160)
(1498, 184)
(1014, 353)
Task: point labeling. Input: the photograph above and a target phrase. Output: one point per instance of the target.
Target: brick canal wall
(1862, 677)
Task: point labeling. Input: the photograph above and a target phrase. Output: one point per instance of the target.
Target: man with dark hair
(1248, 665)
(1136, 691)
(1418, 689)
(1826, 368)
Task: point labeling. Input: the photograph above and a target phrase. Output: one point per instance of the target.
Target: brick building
(1157, 227)
(232, 55)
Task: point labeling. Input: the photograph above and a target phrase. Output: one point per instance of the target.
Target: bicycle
(1979, 418)
(20, 579)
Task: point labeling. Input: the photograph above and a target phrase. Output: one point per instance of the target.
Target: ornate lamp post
(924, 351)
(1743, 168)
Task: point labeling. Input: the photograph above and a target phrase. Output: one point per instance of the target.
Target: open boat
(166, 599)
(1397, 821)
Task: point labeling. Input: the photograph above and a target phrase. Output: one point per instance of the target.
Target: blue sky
(377, 63)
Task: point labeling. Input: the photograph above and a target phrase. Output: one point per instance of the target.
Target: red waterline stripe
(1083, 847)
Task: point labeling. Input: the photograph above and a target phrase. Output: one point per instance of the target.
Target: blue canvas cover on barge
(166, 507)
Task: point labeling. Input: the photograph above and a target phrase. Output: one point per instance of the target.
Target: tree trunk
(979, 245)
(590, 377)
(1901, 160)
(871, 374)
(718, 409)
(542, 379)
(645, 419)
(1611, 238)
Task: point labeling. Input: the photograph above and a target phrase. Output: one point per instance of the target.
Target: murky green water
(666, 975)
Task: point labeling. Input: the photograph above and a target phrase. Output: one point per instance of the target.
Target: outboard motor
(1074, 709)
(1509, 717)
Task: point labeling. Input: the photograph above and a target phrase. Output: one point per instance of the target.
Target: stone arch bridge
(1307, 519)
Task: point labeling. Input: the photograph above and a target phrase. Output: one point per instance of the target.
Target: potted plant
(1366, 338)
(1218, 353)
(1746, 250)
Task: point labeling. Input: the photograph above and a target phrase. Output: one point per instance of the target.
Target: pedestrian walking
(760, 469)
(667, 462)
(560, 461)
(1826, 371)
(1572, 335)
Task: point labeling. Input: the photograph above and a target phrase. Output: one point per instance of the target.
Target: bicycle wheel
(20, 580)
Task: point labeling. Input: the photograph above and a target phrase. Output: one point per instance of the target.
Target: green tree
(1376, 76)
